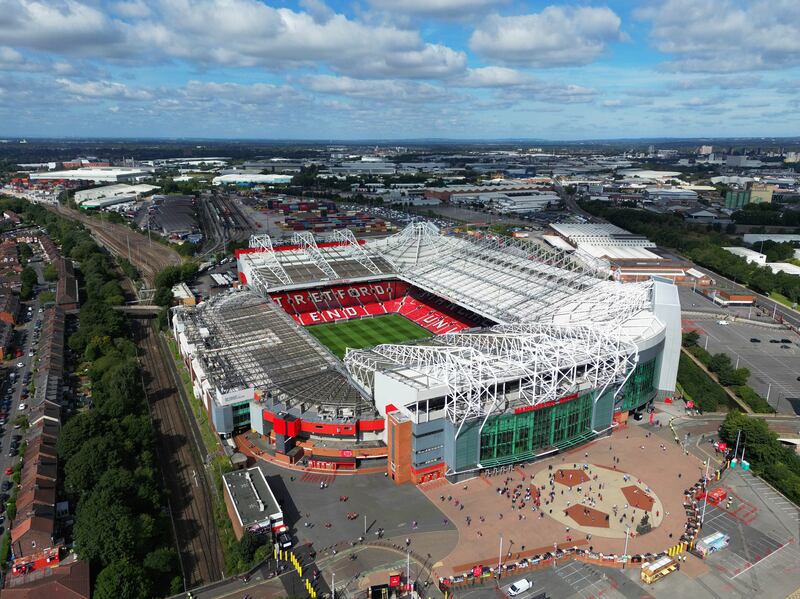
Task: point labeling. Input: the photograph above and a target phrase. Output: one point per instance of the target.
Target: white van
(519, 587)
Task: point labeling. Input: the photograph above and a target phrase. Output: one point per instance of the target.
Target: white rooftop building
(751, 256)
(98, 174)
(251, 179)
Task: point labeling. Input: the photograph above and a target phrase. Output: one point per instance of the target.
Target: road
(149, 257)
(781, 313)
(190, 500)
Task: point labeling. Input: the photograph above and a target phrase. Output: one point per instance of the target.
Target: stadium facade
(533, 350)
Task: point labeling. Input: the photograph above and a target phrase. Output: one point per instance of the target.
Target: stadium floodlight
(269, 260)
(353, 249)
(308, 245)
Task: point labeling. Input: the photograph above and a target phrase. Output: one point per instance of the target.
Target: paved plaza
(484, 508)
(597, 500)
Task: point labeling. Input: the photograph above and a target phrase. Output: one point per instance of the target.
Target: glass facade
(513, 437)
(241, 416)
(640, 388)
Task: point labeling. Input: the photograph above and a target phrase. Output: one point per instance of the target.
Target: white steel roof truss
(353, 250)
(267, 256)
(309, 247)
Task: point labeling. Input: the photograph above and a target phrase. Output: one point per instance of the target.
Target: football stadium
(431, 354)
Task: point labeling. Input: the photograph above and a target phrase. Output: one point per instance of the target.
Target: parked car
(755, 340)
(519, 587)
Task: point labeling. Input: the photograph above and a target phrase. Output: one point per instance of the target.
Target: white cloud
(386, 90)
(616, 103)
(234, 33)
(131, 9)
(726, 36)
(248, 33)
(102, 90)
(494, 77)
(552, 38)
(68, 27)
(237, 93)
(435, 8)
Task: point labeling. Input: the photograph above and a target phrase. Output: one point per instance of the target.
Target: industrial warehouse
(518, 350)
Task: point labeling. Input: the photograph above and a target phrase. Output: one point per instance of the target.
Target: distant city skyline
(401, 69)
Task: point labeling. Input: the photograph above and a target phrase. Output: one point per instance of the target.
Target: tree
(161, 565)
(734, 377)
(122, 580)
(104, 531)
(690, 339)
(50, 273)
(719, 362)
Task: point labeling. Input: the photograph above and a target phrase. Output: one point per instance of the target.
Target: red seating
(343, 302)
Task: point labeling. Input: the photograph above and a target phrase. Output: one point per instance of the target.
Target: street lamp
(625, 550)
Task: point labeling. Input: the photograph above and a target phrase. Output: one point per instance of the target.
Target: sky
(399, 69)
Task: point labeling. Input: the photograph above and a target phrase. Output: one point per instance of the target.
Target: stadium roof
(246, 341)
(563, 323)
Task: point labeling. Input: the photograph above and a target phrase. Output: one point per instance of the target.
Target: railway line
(147, 257)
(184, 476)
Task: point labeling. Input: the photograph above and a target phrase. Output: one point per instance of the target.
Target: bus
(710, 544)
(663, 566)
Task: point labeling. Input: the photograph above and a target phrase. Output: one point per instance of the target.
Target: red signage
(394, 580)
(546, 404)
(723, 447)
(477, 571)
(690, 404)
(346, 453)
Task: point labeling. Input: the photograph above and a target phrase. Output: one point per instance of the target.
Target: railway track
(148, 257)
(200, 550)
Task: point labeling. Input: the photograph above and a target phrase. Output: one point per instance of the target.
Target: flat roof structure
(306, 262)
(245, 341)
(252, 499)
(98, 174)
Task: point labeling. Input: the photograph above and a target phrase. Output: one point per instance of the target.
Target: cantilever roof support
(308, 244)
(264, 243)
(354, 250)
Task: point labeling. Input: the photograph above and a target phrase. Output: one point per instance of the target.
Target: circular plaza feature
(598, 500)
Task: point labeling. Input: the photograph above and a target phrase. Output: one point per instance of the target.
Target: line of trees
(721, 365)
(107, 452)
(776, 463)
(703, 244)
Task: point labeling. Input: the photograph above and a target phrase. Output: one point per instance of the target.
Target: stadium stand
(344, 302)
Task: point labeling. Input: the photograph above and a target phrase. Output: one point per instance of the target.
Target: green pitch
(357, 334)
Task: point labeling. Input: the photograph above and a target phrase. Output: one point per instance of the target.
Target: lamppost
(625, 550)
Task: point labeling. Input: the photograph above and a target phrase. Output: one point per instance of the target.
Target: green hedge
(708, 395)
(753, 399)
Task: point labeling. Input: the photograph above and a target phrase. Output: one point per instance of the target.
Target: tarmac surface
(774, 366)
